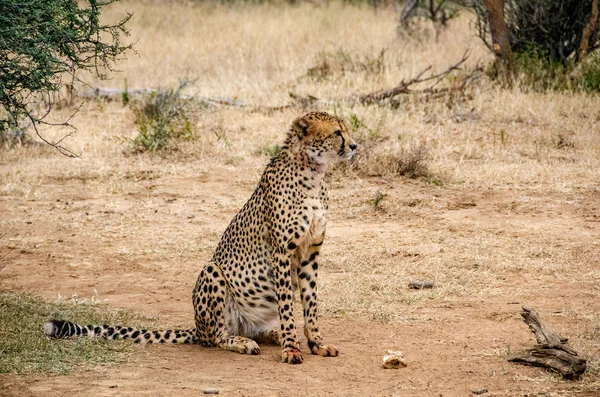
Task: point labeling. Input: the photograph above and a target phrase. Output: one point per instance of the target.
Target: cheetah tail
(66, 329)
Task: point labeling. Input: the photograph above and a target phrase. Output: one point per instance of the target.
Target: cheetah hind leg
(209, 301)
(271, 336)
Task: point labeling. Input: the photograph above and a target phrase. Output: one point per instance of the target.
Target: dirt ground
(511, 216)
(80, 241)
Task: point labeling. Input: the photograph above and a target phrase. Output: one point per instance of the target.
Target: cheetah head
(323, 137)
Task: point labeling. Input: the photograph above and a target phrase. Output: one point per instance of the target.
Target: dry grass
(508, 196)
(26, 350)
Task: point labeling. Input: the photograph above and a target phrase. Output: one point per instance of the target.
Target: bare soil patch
(141, 250)
(507, 214)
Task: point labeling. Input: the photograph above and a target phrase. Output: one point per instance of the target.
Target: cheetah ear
(301, 127)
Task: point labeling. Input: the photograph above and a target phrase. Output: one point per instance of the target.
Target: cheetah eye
(338, 133)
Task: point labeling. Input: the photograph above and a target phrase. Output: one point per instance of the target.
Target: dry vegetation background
(505, 209)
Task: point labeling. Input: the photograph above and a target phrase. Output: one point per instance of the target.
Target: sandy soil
(516, 220)
(141, 248)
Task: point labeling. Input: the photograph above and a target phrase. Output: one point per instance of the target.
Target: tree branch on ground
(381, 97)
(552, 350)
(404, 86)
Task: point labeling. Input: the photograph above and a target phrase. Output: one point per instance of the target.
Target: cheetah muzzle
(269, 251)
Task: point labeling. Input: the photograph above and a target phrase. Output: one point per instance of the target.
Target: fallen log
(405, 87)
(552, 350)
(381, 97)
(112, 94)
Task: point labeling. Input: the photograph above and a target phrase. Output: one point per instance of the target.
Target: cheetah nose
(353, 146)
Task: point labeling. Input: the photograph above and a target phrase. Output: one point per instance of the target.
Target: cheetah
(269, 251)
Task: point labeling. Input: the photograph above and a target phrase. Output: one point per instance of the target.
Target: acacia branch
(56, 145)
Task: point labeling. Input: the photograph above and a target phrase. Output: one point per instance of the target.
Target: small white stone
(394, 359)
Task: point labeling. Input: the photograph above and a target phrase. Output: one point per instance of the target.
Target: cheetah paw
(251, 347)
(244, 346)
(324, 350)
(292, 356)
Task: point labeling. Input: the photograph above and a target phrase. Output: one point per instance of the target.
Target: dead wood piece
(421, 284)
(551, 351)
(544, 334)
(569, 366)
(112, 94)
(404, 86)
(309, 101)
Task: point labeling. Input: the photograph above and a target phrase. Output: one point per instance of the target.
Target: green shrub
(590, 74)
(43, 44)
(538, 71)
(552, 28)
(162, 116)
(545, 37)
(271, 150)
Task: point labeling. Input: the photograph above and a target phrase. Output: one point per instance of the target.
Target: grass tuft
(342, 62)
(26, 350)
(162, 116)
(383, 159)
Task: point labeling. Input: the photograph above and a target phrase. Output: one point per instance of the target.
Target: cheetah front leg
(289, 341)
(307, 282)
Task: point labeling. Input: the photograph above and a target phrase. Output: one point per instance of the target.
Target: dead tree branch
(381, 97)
(404, 86)
(551, 351)
(112, 94)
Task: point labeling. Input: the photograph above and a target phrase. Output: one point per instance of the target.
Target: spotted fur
(270, 250)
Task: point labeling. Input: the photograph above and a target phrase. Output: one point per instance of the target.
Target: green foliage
(358, 125)
(162, 116)
(379, 196)
(550, 28)
(272, 150)
(590, 74)
(26, 350)
(125, 96)
(537, 70)
(545, 36)
(43, 44)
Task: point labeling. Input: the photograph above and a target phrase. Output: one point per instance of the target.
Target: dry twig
(551, 351)
(404, 86)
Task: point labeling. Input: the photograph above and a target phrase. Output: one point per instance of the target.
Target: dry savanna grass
(492, 194)
(25, 350)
